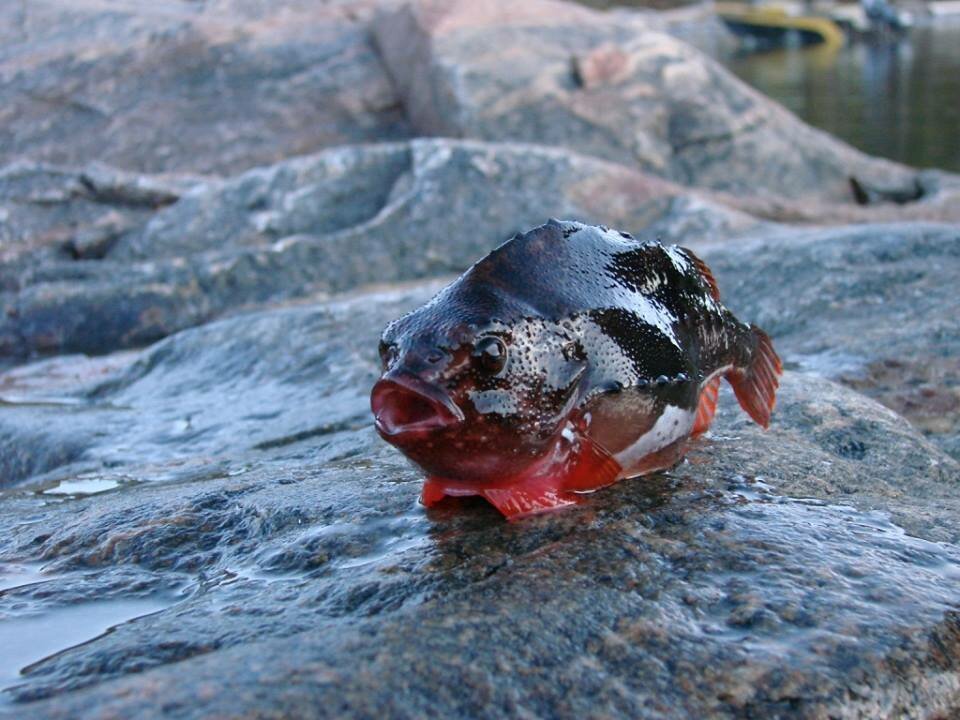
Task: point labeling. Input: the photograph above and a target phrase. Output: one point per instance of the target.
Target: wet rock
(284, 566)
(923, 390)
(184, 86)
(874, 306)
(323, 223)
(210, 526)
(289, 377)
(612, 86)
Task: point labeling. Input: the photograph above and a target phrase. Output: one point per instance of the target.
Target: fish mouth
(406, 406)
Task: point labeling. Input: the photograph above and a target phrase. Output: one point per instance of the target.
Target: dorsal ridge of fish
(563, 259)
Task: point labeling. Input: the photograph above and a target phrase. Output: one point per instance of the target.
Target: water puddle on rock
(27, 640)
(18, 575)
(32, 630)
(81, 486)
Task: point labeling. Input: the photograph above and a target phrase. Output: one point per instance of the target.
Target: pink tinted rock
(613, 86)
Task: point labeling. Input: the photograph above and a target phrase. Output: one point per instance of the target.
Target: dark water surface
(897, 99)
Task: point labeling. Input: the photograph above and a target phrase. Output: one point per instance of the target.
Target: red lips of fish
(406, 408)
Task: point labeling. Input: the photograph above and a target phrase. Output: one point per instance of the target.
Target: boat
(774, 26)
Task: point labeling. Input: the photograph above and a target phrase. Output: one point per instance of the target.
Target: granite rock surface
(208, 211)
(225, 488)
(202, 87)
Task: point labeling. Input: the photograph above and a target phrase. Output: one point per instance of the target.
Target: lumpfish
(568, 358)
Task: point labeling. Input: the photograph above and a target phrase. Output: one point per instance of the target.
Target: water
(16, 575)
(83, 486)
(25, 641)
(32, 630)
(895, 99)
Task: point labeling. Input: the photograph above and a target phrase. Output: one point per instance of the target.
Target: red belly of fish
(548, 484)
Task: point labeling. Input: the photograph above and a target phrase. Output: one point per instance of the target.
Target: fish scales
(568, 358)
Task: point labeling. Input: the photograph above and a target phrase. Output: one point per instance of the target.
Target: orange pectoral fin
(528, 497)
(514, 499)
(707, 407)
(592, 469)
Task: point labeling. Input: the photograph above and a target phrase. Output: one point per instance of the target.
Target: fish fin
(432, 492)
(593, 469)
(756, 385)
(530, 496)
(705, 272)
(707, 407)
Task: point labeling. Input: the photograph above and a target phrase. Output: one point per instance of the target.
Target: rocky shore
(208, 212)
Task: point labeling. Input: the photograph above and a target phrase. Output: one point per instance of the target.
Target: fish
(570, 357)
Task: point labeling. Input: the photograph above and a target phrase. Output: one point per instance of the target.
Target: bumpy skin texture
(569, 357)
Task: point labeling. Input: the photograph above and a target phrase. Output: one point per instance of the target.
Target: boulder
(220, 87)
(99, 259)
(609, 85)
(173, 85)
(322, 223)
(256, 550)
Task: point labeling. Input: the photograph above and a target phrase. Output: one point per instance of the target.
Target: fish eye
(388, 353)
(491, 354)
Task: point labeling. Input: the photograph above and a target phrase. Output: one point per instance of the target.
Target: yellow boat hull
(776, 18)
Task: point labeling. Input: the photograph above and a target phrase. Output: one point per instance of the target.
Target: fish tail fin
(707, 407)
(756, 384)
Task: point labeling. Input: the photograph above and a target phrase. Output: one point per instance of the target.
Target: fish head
(468, 395)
